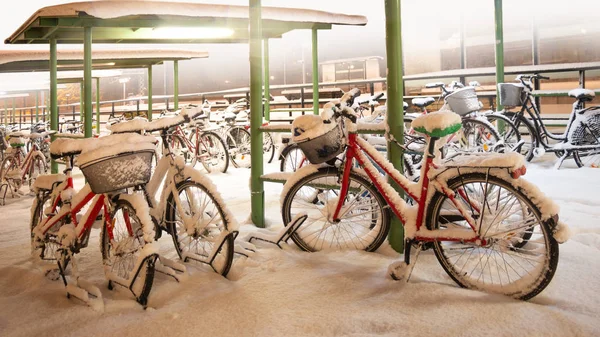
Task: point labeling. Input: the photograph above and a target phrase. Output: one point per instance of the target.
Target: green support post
(256, 151)
(87, 81)
(395, 92)
(267, 80)
(5, 113)
(176, 85)
(499, 49)
(98, 105)
(14, 110)
(150, 92)
(315, 71)
(53, 97)
(37, 107)
(81, 98)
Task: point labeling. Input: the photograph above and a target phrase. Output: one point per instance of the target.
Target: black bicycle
(581, 138)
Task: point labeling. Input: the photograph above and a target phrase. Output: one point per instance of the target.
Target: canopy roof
(37, 60)
(146, 22)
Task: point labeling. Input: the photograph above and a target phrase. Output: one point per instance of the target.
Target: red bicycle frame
(98, 205)
(360, 150)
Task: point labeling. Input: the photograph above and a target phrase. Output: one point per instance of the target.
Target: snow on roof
(8, 56)
(181, 10)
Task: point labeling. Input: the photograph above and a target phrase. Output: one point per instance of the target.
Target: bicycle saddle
(584, 95)
(422, 102)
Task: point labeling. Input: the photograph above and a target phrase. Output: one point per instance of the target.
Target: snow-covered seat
(422, 102)
(47, 181)
(437, 124)
(136, 125)
(164, 123)
(584, 95)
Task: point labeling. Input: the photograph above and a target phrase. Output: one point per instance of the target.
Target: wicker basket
(324, 147)
(463, 101)
(511, 94)
(118, 171)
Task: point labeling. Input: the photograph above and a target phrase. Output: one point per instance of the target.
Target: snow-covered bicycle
(185, 203)
(490, 229)
(59, 230)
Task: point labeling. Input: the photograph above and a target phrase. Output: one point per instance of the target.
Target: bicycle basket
(119, 171)
(463, 101)
(324, 147)
(511, 94)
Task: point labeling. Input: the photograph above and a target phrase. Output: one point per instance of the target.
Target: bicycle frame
(27, 162)
(540, 128)
(99, 203)
(363, 152)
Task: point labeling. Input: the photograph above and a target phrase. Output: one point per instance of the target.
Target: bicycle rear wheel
(198, 241)
(120, 254)
(521, 255)
(268, 147)
(365, 219)
(587, 133)
(238, 145)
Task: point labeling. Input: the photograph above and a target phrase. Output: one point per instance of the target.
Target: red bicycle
(58, 232)
(490, 229)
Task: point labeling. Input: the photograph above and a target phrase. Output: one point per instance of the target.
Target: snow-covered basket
(511, 94)
(108, 169)
(463, 101)
(318, 141)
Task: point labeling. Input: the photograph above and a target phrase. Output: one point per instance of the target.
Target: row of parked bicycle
(521, 130)
(472, 207)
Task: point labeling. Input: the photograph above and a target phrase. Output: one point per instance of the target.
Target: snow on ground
(292, 293)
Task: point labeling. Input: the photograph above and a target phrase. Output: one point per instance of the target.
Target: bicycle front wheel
(520, 256)
(509, 133)
(44, 248)
(212, 152)
(365, 219)
(197, 241)
(121, 253)
(292, 159)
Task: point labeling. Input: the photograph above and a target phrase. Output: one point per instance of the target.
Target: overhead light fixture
(107, 64)
(191, 33)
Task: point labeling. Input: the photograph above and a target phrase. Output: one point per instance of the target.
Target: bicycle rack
(283, 235)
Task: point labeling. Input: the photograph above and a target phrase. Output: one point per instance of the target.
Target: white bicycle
(185, 203)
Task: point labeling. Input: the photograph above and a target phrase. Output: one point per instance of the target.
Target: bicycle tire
(292, 158)
(199, 240)
(369, 235)
(119, 258)
(474, 136)
(520, 121)
(522, 241)
(215, 148)
(37, 161)
(238, 145)
(9, 164)
(268, 146)
(46, 248)
(509, 133)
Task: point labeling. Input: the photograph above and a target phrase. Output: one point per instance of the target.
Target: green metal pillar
(37, 107)
(87, 81)
(81, 98)
(14, 110)
(315, 71)
(499, 49)
(53, 96)
(150, 92)
(256, 151)
(267, 80)
(176, 85)
(395, 91)
(98, 105)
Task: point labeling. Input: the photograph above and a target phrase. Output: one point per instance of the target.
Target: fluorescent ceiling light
(107, 64)
(191, 33)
